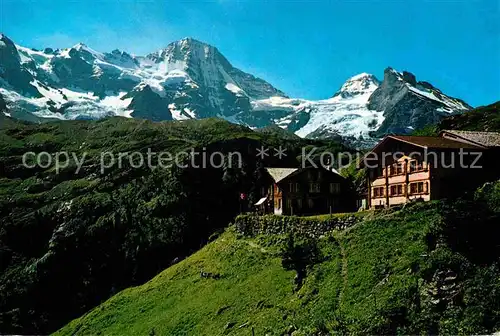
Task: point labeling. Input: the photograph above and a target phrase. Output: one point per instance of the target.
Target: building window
(289, 203)
(416, 166)
(263, 191)
(413, 166)
(332, 204)
(396, 169)
(334, 188)
(319, 174)
(419, 187)
(314, 187)
(310, 203)
(279, 203)
(378, 192)
(294, 187)
(397, 190)
(399, 168)
(299, 203)
(391, 170)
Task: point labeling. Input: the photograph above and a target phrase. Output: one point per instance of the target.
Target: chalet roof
(279, 174)
(433, 142)
(487, 139)
(429, 142)
(261, 201)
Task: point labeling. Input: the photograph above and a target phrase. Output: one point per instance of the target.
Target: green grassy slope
(379, 277)
(483, 118)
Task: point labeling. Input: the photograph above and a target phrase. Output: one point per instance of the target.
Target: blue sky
(305, 48)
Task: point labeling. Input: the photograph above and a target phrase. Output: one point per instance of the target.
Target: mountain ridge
(190, 79)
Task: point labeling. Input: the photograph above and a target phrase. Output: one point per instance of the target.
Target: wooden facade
(407, 168)
(307, 191)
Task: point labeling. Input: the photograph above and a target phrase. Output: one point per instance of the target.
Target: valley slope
(420, 278)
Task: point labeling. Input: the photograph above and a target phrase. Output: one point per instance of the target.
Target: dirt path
(344, 272)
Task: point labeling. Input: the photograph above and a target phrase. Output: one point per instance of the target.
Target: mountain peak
(79, 46)
(189, 43)
(4, 39)
(359, 84)
(9, 57)
(404, 76)
(189, 39)
(82, 50)
(183, 49)
(362, 76)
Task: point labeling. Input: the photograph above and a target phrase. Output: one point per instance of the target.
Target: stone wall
(313, 227)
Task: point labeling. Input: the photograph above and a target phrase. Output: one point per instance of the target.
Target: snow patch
(233, 88)
(450, 104)
(348, 116)
(190, 113)
(175, 77)
(74, 95)
(25, 59)
(32, 52)
(176, 113)
(118, 105)
(65, 53)
(279, 102)
(52, 94)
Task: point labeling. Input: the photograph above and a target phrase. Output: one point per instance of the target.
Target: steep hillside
(428, 269)
(72, 236)
(484, 118)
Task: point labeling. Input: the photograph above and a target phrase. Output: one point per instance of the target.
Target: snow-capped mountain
(191, 79)
(364, 108)
(346, 113)
(408, 104)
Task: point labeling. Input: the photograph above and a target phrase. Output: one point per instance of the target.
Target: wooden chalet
(429, 168)
(303, 191)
